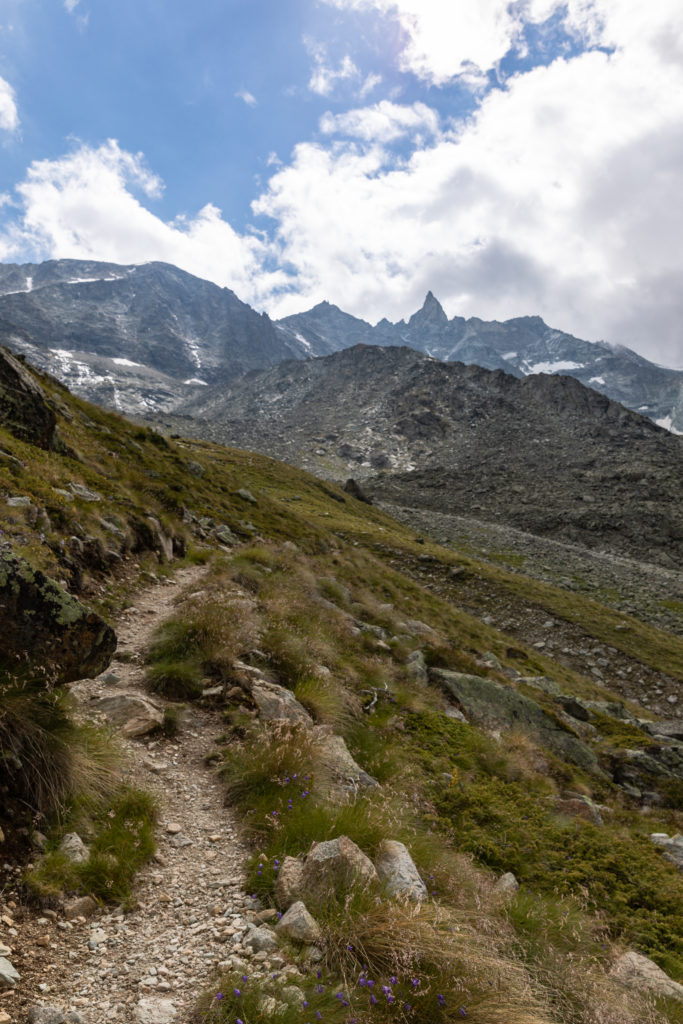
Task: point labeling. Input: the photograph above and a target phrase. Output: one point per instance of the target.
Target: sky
(515, 158)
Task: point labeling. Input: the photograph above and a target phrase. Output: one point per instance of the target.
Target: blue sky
(514, 158)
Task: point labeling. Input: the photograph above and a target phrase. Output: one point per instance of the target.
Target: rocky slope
(134, 338)
(542, 453)
(322, 655)
(521, 346)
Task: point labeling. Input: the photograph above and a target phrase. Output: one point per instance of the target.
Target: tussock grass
(46, 758)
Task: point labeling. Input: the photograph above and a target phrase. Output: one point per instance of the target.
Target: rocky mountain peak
(430, 315)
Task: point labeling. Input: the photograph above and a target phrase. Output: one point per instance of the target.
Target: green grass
(122, 841)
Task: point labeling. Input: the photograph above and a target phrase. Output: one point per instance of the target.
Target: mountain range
(149, 338)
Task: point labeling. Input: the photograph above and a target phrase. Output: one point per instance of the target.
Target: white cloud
(9, 115)
(84, 206)
(247, 97)
(369, 85)
(560, 196)
(383, 122)
(71, 5)
(467, 38)
(324, 76)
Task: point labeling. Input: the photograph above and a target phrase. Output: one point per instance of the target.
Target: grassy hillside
(333, 605)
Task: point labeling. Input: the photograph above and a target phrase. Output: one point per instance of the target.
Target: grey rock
(23, 405)
(672, 847)
(416, 667)
(19, 502)
(179, 841)
(277, 703)
(288, 882)
(246, 495)
(492, 703)
(260, 940)
(299, 924)
(640, 973)
(506, 883)
(73, 847)
(333, 868)
(45, 1015)
(225, 535)
(542, 683)
(667, 729)
(152, 1010)
(83, 907)
(340, 765)
(134, 715)
(84, 493)
(397, 871)
(9, 977)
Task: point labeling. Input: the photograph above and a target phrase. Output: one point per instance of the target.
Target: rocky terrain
(543, 454)
(147, 338)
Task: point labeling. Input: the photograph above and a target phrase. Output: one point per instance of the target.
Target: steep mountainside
(524, 345)
(133, 338)
(541, 453)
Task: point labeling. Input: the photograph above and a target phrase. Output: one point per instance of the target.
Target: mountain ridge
(144, 338)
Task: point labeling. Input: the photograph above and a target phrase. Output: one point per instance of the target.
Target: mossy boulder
(47, 634)
(23, 406)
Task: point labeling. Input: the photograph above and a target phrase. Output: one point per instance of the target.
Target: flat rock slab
(486, 701)
(9, 977)
(155, 1011)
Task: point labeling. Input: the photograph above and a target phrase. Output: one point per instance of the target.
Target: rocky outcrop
(491, 703)
(133, 714)
(46, 633)
(23, 405)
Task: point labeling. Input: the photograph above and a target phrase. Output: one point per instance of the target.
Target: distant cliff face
(542, 453)
(523, 346)
(133, 338)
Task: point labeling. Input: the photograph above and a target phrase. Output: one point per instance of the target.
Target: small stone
(506, 883)
(83, 907)
(299, 925)
(73, 847)
(260, 940)
(8, 975)
(179, 841)
(44, 1014)
(173, 828)
(43, 940)
(397, 871)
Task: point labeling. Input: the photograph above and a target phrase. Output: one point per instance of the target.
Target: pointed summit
(431, 315)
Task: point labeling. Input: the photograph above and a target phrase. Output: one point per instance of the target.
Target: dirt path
(147, 966)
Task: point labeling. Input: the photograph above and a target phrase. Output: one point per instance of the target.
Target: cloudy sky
(513, 157)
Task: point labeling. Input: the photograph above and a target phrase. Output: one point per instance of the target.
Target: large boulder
(491, 703)
(47, 634)
(397, 871)
(334, 867)
(638, 972)
(23, 405)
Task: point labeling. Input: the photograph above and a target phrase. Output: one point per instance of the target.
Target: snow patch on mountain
(561, 364)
